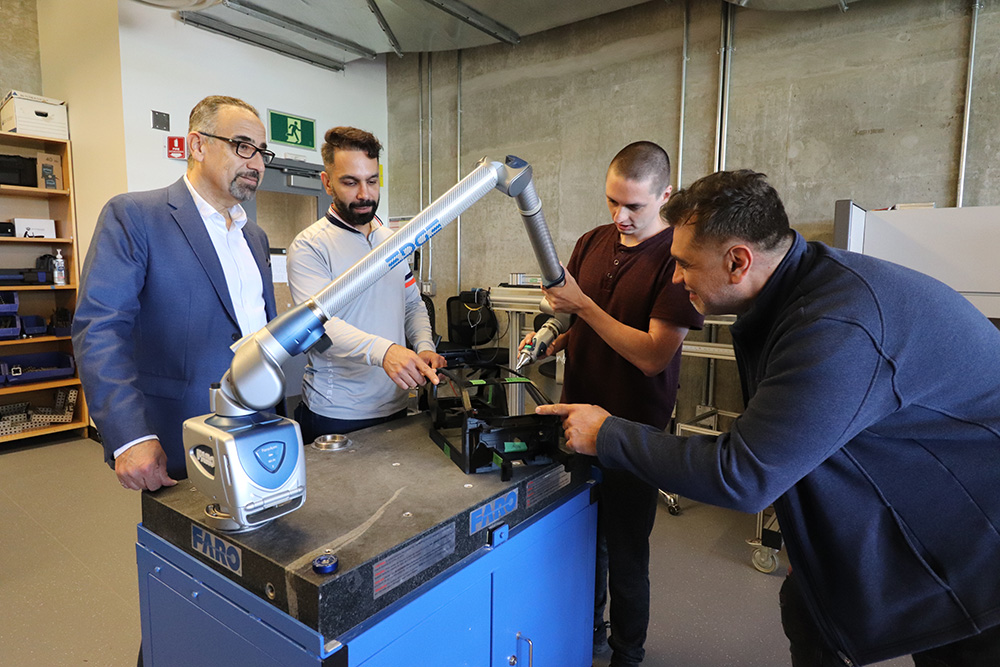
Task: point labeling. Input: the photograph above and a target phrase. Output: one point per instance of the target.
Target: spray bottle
(59, 268)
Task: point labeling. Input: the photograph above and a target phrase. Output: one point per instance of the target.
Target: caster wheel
(765, 560)
(670, 500)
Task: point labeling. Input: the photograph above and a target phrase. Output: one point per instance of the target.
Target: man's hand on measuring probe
(580, 422)
(406, 368)
(143, 466)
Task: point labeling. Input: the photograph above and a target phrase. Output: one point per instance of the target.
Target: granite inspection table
(408, 529)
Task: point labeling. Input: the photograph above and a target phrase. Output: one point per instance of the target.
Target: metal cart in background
(767, 540)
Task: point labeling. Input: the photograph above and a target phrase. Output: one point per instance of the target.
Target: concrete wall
(865, 104)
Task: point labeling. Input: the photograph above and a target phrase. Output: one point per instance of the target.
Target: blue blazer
(154, 320)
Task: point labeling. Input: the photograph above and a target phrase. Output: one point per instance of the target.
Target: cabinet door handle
(531, 649)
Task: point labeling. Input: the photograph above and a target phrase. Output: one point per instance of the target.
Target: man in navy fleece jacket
(872, 424)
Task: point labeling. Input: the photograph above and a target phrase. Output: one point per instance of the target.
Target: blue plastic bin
(33, 325)
(8, 302)
(10, 326)
(22, 368)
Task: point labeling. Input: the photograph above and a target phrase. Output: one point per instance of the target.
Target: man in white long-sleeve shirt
(364, 377)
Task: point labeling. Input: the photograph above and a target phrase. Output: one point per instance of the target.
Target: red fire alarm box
(177, 148)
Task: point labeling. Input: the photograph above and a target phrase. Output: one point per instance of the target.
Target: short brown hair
(349, 139)
(641, 161)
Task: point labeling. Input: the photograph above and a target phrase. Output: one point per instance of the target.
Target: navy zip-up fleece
(872, 424)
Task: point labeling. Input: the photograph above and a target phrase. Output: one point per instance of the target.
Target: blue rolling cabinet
(436, 567)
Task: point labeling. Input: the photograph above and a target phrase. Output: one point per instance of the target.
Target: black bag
(46, 263)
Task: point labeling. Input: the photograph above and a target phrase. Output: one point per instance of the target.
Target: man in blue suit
(172, 279)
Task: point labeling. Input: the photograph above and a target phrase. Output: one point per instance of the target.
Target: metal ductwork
(791, 5)
(181, 5)
(331, 33)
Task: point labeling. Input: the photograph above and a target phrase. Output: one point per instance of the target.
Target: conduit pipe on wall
(721, 127)
(458, 171)
(684, 69)
(430, 160)
(420, 142)
(960, 194)
(725, 71)
(722, 86)
(420, 117)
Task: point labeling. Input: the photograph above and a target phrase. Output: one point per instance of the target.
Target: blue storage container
(10, 327)
(22, 368)
(8, 302)
(33, 325)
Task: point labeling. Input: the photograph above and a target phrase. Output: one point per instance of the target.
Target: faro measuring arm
(224, 449)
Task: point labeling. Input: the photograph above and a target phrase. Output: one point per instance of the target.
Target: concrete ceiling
(330, 33)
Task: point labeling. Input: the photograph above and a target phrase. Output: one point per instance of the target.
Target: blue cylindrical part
(325, 564)
(297, 330)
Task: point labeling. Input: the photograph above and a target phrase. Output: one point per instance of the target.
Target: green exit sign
(292, 130)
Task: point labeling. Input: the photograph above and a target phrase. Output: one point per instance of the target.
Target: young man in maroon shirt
(623, 353)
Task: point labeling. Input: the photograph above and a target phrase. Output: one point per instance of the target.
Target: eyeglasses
(244, 149)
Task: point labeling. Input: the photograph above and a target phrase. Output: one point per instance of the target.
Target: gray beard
(242, 192)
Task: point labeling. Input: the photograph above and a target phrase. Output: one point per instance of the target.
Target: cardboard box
(39, 228)
(39, 116)
(50, 174)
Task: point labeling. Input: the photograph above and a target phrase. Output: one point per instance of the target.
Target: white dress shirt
(246, 288)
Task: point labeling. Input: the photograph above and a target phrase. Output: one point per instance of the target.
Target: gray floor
(68, 592)
(68, 582)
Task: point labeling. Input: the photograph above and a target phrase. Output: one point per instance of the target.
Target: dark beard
(347, 214)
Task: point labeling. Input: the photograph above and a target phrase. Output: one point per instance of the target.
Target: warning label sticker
(539, 489)
(413, 559)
